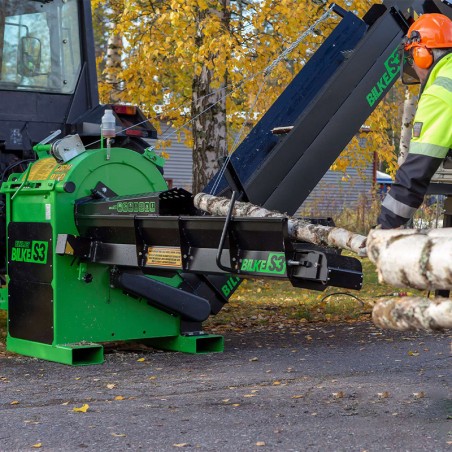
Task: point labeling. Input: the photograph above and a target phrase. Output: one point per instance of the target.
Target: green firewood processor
(96, 248)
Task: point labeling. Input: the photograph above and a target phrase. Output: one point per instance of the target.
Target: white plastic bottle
(108, 124)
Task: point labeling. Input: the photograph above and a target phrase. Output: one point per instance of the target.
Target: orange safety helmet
(430, 31)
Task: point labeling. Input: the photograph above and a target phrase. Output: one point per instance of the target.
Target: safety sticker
(161, 256)
(417, 127)
(60, 172)
(48, 209)
(42, 169)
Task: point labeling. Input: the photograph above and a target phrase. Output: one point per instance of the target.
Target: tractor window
(39, 45)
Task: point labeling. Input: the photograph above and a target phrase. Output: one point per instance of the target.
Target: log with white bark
(298, 229)
(412, 258)
(413, 313)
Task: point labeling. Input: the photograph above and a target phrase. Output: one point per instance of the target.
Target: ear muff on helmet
(430, 31)
(422, 56)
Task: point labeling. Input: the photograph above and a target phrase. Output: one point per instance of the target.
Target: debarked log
(413, 313)
(298, 229)
(420, 259)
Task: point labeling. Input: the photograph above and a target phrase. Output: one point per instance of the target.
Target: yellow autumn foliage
(168, 43)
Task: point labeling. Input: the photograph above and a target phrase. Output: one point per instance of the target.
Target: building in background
(178, 170)
(332, 195)
(336, 192)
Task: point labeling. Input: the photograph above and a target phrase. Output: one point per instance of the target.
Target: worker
(428, 49)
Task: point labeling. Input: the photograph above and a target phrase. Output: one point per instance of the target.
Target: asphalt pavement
(321, 387)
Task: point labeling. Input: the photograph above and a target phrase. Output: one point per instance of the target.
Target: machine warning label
(60, 172)
(162, 256)
(42, 169)
(275, 264)
(34, 252)
(48, 168)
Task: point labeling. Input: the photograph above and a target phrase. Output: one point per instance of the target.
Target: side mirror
(29, 61)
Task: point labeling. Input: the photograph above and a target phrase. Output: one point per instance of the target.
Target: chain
(300, 38)
(266, 72)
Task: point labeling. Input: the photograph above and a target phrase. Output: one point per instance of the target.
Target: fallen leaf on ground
(37, 445)
(119, 397)
(181, 445)
(298, 396)
(83, 409)
(111, 386)
(419, 395)
(140, 360)
(383, 395)
(260, 443)
(15, 402)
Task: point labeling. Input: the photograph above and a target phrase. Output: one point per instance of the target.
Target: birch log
(298, 229)
(412, 258)
(413, 313)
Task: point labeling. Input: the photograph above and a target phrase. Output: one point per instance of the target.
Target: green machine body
(61, 307)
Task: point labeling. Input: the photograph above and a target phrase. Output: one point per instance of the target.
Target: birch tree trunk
(298, 229)
(208, 108)
(113, 65)
(409, 110)
(412, 258)
(413, 313)
(102, 29)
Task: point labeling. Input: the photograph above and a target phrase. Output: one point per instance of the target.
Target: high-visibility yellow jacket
(430, 143)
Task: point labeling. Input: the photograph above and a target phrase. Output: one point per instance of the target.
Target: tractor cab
(40, 46)
(48, 79)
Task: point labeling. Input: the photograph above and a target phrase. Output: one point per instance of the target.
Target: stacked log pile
(413, 313)
(421, 259)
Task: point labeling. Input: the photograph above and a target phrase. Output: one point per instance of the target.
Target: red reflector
(125, 109)
(135, 133)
